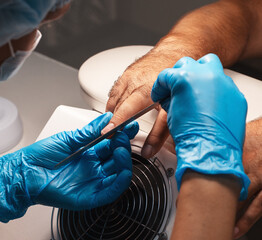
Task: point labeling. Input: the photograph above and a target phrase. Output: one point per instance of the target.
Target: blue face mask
(12, 64)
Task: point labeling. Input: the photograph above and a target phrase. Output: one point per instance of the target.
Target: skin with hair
(232, 30)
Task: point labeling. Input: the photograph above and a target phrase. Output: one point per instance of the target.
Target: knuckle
(117, 111)
(144, 91)
(185, 60)
(182, 62)
(119, 116)
(153, 139)
(132, 87)
(157, 139)
(140, 92)
(248, 220)
(184, 79)
(162, 116)
(110, 105)
(118, 85)
(183, 74)
(169, 73)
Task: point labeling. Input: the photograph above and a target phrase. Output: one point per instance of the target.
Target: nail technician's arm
(206, 207)
(208, 130)
(96, 178)
(229, 28)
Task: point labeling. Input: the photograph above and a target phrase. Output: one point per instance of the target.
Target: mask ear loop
(11, 49)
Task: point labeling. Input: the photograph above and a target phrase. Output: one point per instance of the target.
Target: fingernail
(236, 231)
(108, 128)
(147, 151)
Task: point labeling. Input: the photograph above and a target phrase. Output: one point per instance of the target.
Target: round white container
(11, 129)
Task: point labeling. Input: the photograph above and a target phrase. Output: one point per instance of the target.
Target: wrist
(14, 198)
(208, 184)
(151, 64)
(210, 157)
(179, 44)
(208, 205)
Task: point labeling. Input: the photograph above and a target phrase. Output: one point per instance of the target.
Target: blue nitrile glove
(206, 117)
(96, 178)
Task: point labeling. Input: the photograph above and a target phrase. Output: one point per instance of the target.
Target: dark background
(91, 26)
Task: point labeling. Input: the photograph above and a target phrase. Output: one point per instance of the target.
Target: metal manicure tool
(106, 135)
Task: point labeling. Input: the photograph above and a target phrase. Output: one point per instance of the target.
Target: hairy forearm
(227, 28)
(222, 28)
(206, 207)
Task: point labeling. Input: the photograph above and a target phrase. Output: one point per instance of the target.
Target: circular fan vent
(140, 213)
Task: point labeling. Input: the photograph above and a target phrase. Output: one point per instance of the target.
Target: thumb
(78, 138)
(133, 104)
(115, 186)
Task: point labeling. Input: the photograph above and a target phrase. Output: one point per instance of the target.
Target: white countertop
(38, 89)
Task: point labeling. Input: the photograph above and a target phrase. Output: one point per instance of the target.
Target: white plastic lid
(98, 74)
(11, 129)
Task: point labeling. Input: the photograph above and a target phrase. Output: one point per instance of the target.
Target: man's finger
(157, 136)
(78, 138)
(115, 94)
(250, 217)
(133, 104)
(252, 190)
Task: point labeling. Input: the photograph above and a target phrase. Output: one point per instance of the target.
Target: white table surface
(38, 89)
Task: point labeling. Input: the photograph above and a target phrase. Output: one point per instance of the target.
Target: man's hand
(131, 93)
(195, 35)
(251, 209)
(206, 118)
(207, 127)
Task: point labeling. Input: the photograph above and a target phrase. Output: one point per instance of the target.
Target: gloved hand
(206, 117)
(96, 178)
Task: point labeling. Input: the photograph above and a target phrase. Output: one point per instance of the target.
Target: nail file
(106, 135)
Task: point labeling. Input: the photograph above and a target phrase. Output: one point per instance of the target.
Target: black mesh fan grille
(137, 215)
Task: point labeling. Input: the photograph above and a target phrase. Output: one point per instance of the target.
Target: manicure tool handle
(106, 135)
